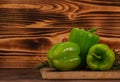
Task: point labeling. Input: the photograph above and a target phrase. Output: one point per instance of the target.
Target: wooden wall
(28, 28)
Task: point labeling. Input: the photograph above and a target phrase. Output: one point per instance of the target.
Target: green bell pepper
(85, 39)
(64, 56)
(100, 57)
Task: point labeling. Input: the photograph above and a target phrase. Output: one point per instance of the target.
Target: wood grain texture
(50, 73)
(31, 27)
(31, 75)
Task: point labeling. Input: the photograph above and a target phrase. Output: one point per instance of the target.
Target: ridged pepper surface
(64, 56)
(84, 39)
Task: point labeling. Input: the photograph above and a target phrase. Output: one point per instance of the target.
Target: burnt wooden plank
(31, 40)
(31, 27)
(18, 61)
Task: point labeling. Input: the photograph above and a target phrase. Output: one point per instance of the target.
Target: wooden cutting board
(50, 73)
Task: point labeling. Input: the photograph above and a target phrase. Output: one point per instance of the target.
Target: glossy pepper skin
(100, 57)
(64, 56)
(85, 39)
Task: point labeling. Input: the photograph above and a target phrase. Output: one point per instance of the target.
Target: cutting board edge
(48, 73)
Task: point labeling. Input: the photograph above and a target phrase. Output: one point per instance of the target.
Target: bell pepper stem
(96, 56)
(92, 30)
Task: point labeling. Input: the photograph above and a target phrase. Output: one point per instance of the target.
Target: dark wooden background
(28, 28)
